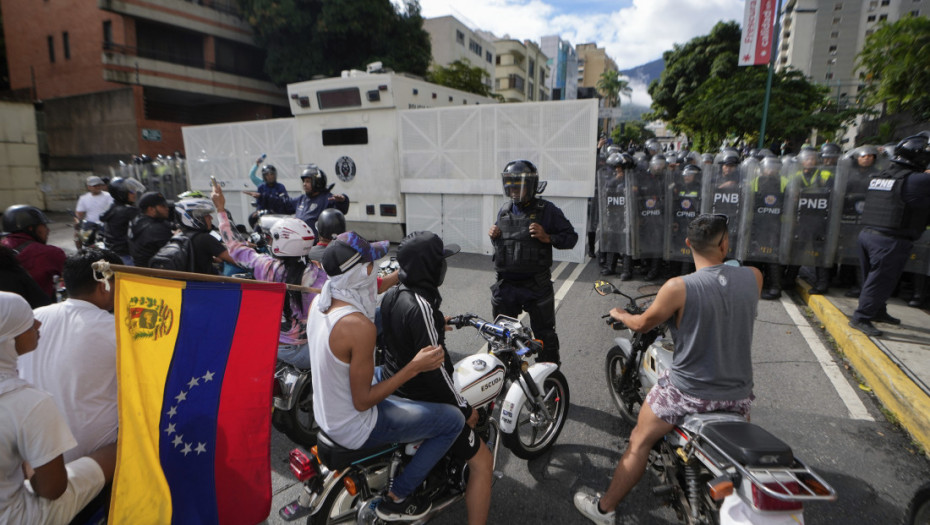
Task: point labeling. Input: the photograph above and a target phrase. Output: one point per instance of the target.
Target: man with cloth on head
(711, 314)
(33, 436)
(354, 410)
(412, 320)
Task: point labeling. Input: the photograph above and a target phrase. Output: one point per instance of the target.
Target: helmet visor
(520, 188)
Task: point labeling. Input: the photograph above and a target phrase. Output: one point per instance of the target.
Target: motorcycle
(345, 486)
(715, 467)
(87, 234)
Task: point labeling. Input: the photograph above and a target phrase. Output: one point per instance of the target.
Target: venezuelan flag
(195, 365)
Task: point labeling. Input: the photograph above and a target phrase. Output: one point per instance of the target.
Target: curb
(894, 389)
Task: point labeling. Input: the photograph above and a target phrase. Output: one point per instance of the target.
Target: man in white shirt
(92, 204)
(76, 357)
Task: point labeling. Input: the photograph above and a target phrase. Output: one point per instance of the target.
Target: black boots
(626, 269)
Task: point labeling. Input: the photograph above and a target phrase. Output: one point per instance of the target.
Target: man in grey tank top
(712, 312)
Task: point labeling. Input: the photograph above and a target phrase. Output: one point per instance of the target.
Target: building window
(497, 84)
(885, 2)
(835, 34)
(882, 18)
(51, 49)
(871, 18)
(829, 76)
(488, 57)
(460, 37)
(542, 95)
(915, 12)
(532, 68)
(832, 49)
(836, 19)
(475, 47)
(107, 34)
(869, 32)
(66, 44)
(515, 82)
(838, 6)
(497, 60)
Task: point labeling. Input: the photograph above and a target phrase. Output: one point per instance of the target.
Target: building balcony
(218, 18)
(128, 65)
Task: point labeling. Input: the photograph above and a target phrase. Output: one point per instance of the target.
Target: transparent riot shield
(722, 192)
(813, 209)
(762, 214)
(857, 172)
(683, 204)
(648, 234)
(614, 192)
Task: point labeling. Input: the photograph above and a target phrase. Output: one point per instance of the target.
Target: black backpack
(177, 254)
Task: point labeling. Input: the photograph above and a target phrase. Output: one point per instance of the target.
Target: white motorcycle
(344, 486)
(716, 468)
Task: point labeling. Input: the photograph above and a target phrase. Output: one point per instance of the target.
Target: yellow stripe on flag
(147, 312)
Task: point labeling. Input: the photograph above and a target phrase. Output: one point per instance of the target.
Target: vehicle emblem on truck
(345, 168)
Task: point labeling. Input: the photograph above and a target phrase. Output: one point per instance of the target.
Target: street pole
(768, 82)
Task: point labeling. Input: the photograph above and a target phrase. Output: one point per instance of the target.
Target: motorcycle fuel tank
(479, 378)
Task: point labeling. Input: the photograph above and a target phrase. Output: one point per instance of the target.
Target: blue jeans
(297, 355)
(405, 421)
(127, 260)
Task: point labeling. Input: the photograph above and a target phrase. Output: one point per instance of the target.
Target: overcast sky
(633, 31)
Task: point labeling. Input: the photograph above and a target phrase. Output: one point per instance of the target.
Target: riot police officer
(526, 230)
(897, 209)
(615, 193)
(649, 195)
(684, 200)
(810, 184)
(762, 225)
(858, 170)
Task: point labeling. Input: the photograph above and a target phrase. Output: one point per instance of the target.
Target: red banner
(758, 32)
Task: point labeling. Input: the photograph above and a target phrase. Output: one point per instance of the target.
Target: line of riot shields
(785, 212)
(167, 175)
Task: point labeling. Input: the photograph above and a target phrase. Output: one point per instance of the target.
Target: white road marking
(855, 406)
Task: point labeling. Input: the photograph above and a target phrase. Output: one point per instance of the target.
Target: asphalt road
(872, 464)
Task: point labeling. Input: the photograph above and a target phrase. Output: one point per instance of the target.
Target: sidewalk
(896, 366)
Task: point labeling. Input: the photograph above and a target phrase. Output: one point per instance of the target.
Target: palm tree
(612, 87)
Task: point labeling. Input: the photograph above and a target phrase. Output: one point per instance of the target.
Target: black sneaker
(852, 292)
(865, 326)
(886, 318)
(408, 509)
(771, 294)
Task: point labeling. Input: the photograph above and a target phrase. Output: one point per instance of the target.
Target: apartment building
(521, 71)
(121, 77)
(452, 40)
(592, 63)
(563, 67)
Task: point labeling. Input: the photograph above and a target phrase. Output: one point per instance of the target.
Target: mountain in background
(647, 72)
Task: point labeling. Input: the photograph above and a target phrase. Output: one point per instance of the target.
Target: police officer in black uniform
(897, 209)
(526, 230)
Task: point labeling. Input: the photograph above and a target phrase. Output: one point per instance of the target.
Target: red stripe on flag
(243, 435)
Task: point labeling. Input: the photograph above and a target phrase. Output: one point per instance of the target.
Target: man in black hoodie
(151, 229)
(411, 320)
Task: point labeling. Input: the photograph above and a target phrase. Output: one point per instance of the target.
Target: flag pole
(108, 269)
(768, 82)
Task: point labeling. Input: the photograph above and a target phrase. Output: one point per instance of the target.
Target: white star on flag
(201, 447)
(187, 449)
(170, 429)
(181, 397)
(193, 382)
(177, 440)
(173, 411)
(208, 376)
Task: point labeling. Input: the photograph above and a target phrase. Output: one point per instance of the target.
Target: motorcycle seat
(337, 457)
(750, 445)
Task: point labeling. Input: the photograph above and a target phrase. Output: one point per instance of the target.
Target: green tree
(895, 61)
(304, 38)
(635, 132)
(611, 87)
(461, 75)
(703, 93)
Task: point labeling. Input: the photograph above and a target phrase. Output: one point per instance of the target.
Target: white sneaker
(587, 504)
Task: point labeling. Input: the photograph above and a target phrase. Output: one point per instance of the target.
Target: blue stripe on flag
(209, 312)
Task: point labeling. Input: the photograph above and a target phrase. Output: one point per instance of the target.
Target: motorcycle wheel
(339, 507)
(530, 440)
(918, 511)
(298, 423)
(626, 397)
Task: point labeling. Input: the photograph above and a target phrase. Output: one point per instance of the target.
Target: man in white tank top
(348, 405)
(666, 403)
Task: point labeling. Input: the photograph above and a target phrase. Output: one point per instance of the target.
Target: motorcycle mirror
(604, 288)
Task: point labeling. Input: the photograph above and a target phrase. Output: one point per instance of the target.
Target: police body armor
(615, 196)
(812, 215)
(683, 204)
(853, 202)
(885, 208)
(516, 251)
(723, 191)
(649, 214)
(762, 217)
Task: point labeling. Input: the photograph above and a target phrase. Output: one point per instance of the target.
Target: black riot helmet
(23, 218)
(330, 223)
(317, 178)
(690, 170)
(269, 169)
(830, 150)
(621, 160)
(653, 147)
(120, 188)
(521, 179)
(729, 157)
(913, 152)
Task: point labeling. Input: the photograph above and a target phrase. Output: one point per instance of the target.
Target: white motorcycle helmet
(191, 210)
(291, 237)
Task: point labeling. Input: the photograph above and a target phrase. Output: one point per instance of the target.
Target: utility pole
(768, 82)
